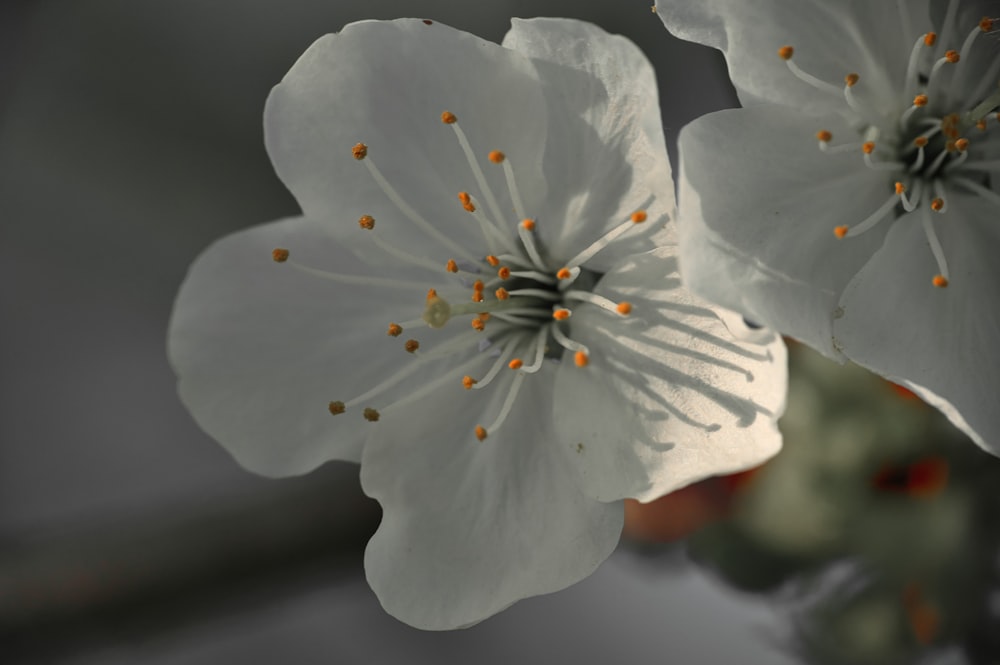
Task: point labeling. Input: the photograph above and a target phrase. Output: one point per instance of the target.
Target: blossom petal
(832, 40)
(386, 84)
(605, 156)
(470, 527)
(758, 205)
(937, 340)
(670, 396)
(262, 348)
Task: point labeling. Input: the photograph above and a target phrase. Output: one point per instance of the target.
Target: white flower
(879, 244)
(555, 364)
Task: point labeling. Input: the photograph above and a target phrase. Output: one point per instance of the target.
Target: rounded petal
(605, 155)
(261, 348)
(940, 341)
(758, 205)
(670, 395)
(470, 527)
(831, 39)
(386, 84)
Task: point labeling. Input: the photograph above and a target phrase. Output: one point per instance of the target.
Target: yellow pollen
(367, 222)
(581, 359)
(951, 56)
(336, 408)
(492, 260)
(448, 118)
(497, 157)
(986, 24)
(937, 204)
(478, 324)
(528, 224)
(840, 231)
(451, 266)
(962, 145)
(468, 382)
(279, 255)
(940, 281)
(411, 346)
(501, 293)
(920, 141)
(824, 136)
(516, 363)
(624, 308)
(900, 188)
(786, 52)
(639, 216)
(930, 39)
(851, 80)
(360, 151)
(564, 273)
(868, 147)
(560, 314)
(920, 100)
(395, 330)
(503, 273)
(481, 432)
(371, 415)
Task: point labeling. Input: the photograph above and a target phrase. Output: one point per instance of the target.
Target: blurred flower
(505, 222)
(878, 244)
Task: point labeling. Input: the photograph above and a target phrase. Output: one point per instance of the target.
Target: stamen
(508, 403)
(988, 194)
(515, 195)
(786, 53)
(496, 156)
(279, 254)
(949, 58)
(913, 64)
(635, 218)
(395, 330)
(935, 244)
(491, 232)
(501, 293)
(624, 308)
(525, 231)
(366, 222)
(919, 102)
(336, 408)
(912, 199)
(539, 345)
(359, 280)
(594, 299)
(481, 433)
(451, 266)
(536, 293)
(940, 281)
(566, 342)
(498, 364)
(492, 260)
(849, 82)
(477, 172)
(516, 363)
(503, 272)
(411, 346)
(371, 415)
(468, 382)
(581, 358)
(868, 148)
(478, 324)
(535, 275)
(561, 314)
(872, 220)
(359, 151)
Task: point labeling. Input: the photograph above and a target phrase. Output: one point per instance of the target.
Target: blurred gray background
(130, 138)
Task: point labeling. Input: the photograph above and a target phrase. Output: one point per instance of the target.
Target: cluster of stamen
(945, 138)
(518, 307)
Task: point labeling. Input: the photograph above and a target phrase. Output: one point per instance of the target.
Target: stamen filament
(536, 293)
(593, 299)
(528, 239)
(515, 388)
(566, 342)
(933, 241)
(535, 275)
(359, 280)
(972, 186)
(499, 364)
(872, 220)
(539, 342)
(492, 233)
(477, 171)
(808, 78)
(515, 195)
(601, 243)
(403, 257)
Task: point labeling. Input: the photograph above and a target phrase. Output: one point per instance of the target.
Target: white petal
(386, 83)
(941, 341)
(831, 39)
(670, 395)
(261, 349)
(758, 205)
(605, 156)
(470, 527)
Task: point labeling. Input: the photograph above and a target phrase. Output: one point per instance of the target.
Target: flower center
(517, 298)
(942, 137)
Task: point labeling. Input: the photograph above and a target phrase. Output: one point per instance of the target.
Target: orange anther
(639, 216)
(492, 260)
(951, 56)
(485, 316)
(949, 146)
(564, 273)
(824, 136)
(841, 231)
(581, 359)
(371, 415)
(478, 324)
(478, 285)
(448, 118)
(360, 151)
(411, 346)
(937, 205)
(851, 80)
(451, 266)
(981, 125)
(868, 147)
(624, 308)
(477, 296)
(560, 314)
(516, 363)
(366, 222)
(481, 432)
(497, 157)
(528, 224)
(986, 24)
(930, 39)
(786, 52)
(279, 255)
(432, 294)
(468, 382)
(920, 100)
(502, 293)
(504, 272)
(466, 201)
(940, 281)
(336, 408)
(900, 188)
(395, 330)
(962, 145)
(920, 141)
